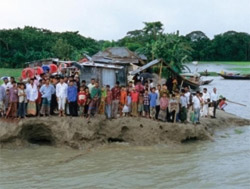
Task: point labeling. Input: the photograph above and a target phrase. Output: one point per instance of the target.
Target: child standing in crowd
(21, 100)
(146, 104)
(140, 104)
(128, 104)
(102, 103)
(88, 99)
(173, 108)
(163, 107)
(108, 102)
(134, 99)
(123, 99)
(153, 98)
(116, 93)
(184, 105)
(81, 100)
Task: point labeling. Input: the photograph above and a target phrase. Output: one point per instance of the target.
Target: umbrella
(53, 68)
(146, 76)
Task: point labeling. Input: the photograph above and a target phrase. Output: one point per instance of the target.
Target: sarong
(31, 108)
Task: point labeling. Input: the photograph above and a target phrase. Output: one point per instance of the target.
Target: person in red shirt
(116, 95)
(108, 102)
(81, 100)
(134, 99)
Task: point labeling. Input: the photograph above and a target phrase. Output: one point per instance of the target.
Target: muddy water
(220, 164)
(224, 163)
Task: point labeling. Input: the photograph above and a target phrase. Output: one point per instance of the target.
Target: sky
(112, 19)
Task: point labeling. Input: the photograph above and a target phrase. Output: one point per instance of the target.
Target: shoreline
(76, 133)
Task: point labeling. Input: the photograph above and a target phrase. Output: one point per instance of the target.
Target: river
(224, 163)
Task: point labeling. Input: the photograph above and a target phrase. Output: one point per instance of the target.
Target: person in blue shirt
(153, 98)
(72, 98)
(47, 90)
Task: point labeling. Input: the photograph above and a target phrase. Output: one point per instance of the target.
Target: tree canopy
(18, 46)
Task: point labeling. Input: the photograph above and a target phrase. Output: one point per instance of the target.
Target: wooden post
(160, 70)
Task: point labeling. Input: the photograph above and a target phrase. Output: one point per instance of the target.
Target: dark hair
(83, 81)
(183, 90)
(117, 83)
(205, 89)
(107, 86)
(93, 79)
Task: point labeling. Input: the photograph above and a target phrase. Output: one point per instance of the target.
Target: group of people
(47, 95)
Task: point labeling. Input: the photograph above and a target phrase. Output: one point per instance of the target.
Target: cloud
(111, 19)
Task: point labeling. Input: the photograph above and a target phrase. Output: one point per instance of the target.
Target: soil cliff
(77, 133)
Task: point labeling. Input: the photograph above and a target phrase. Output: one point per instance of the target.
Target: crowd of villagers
(47, 95)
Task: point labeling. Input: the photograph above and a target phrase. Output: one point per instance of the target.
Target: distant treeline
(18, 46)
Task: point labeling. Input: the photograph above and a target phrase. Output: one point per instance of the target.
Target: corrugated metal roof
(116, 55)
(109, 66)
(156, 61)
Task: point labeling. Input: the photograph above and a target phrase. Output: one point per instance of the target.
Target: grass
(10, 72)
(241, 70)
(237, 63)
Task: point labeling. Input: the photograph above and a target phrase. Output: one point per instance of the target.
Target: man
(72, 98)
(61, 95)
(108, 102)
(157, 107)
(91, 85)
(83, 84)
(47, 91)
(196, 107)
(189, 98)
(183, 105)
(6, 84)
(2, 101)
(32, 95)
(95, 99)
(214, 99)
(205, 98)
(116, 95)
(54, 104)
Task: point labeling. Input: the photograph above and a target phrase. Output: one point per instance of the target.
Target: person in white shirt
(31, 95)
(61, 95)
(214, 100)
(6, 84)
(196, 107)
(91, 85)
(205, 98)
(188, 95)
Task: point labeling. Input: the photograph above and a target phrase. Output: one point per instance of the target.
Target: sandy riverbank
(77, 133)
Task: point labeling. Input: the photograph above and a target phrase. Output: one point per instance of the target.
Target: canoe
(236, 77)
(206, 82)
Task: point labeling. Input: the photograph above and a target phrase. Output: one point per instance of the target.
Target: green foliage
(18, 46)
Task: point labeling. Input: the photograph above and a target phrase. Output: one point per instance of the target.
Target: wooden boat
(206, 82)
(236, 77)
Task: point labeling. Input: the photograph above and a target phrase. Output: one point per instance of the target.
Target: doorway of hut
(108, 77)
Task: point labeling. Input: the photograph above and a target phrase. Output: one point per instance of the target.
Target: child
(108, 102)
(102, 103)
(222, 104)
(163, 107)
(134, 99)
(173, 108)
(88, 99)
(123, 99)
(128, 104)
(21, 100)
(81, 100)
(146, 104)
(153, 97)
(140, 104)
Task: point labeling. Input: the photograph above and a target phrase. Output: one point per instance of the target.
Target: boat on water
(235, 76)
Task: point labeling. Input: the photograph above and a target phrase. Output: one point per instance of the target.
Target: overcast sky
(111, 19)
